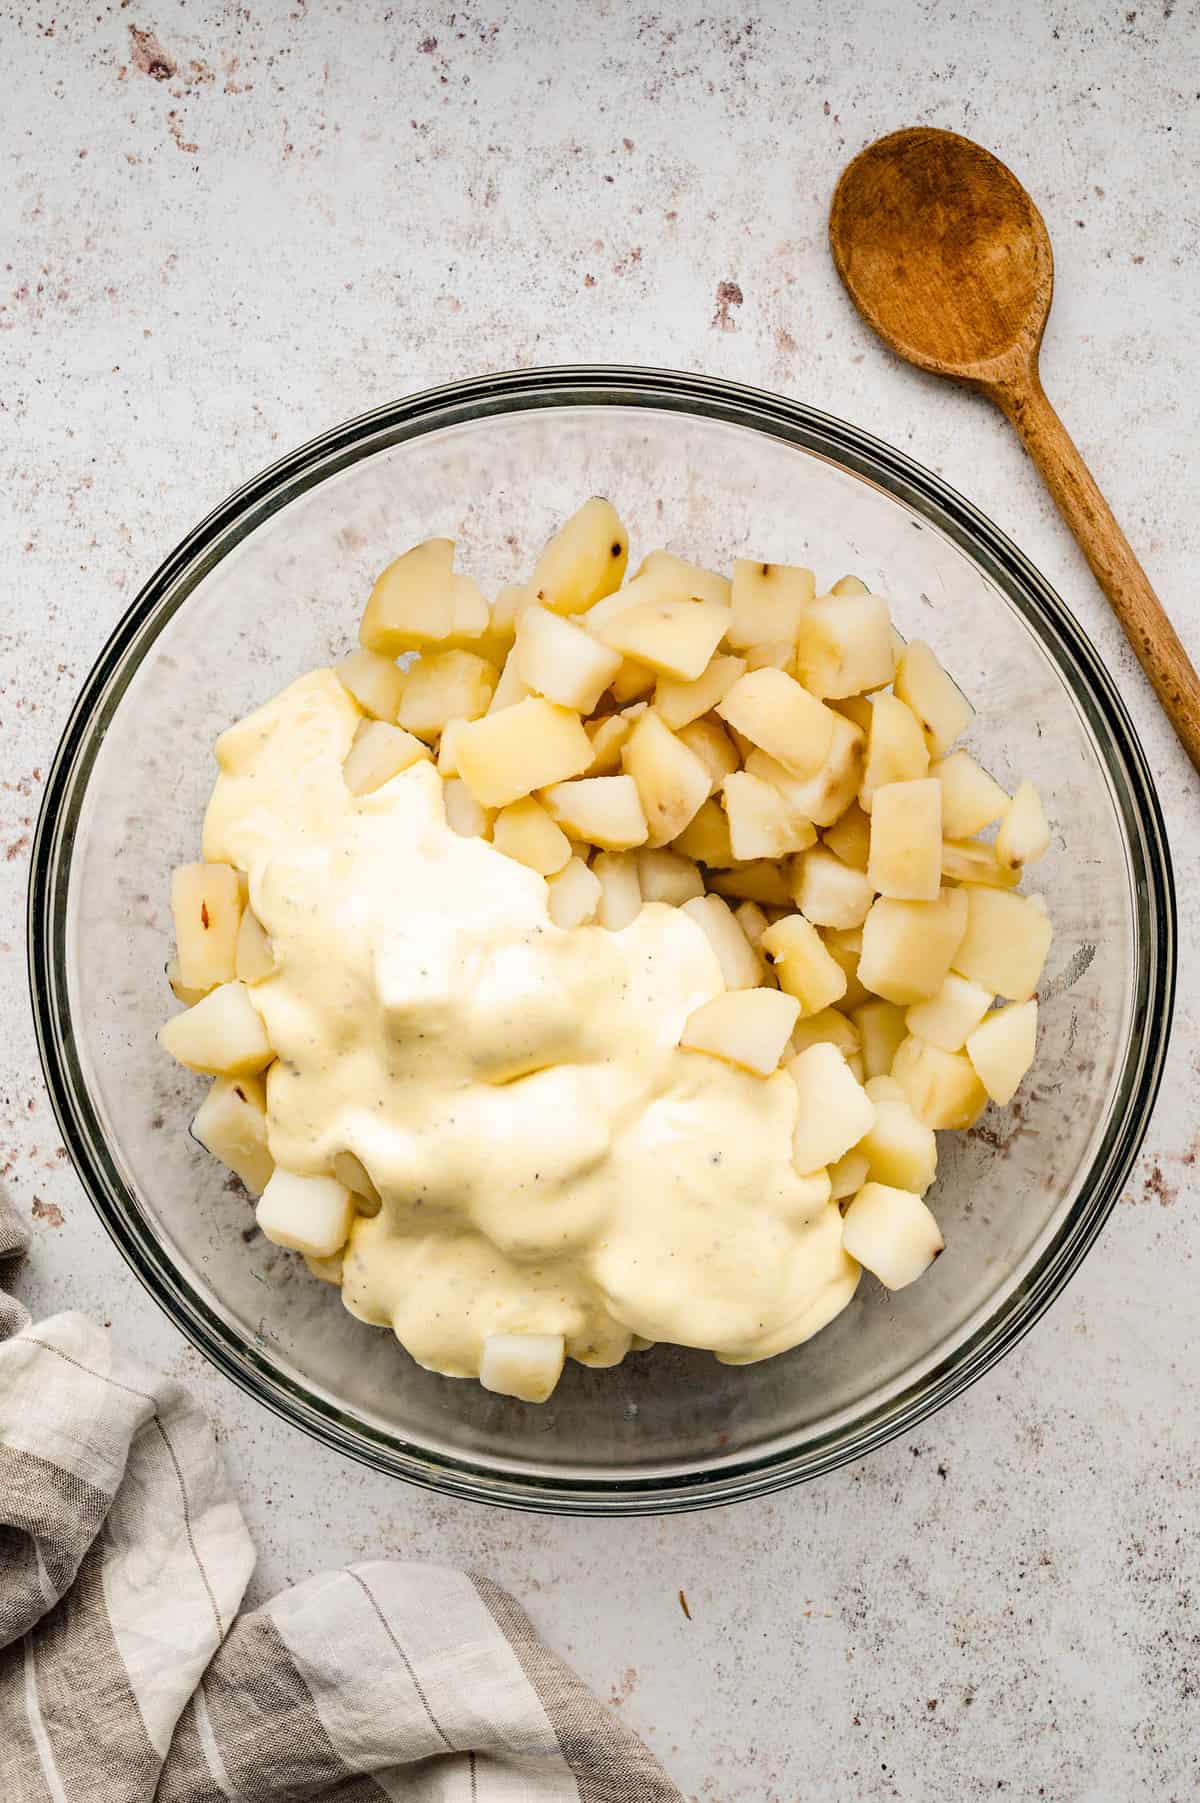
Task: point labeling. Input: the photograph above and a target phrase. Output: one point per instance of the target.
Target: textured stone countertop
(225, 228)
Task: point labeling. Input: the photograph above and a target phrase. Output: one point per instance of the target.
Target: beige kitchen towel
(127, 1674)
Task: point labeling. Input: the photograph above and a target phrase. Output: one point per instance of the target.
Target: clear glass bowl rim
(1080, 668)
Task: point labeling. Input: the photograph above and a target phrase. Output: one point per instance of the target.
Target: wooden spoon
(946, 256)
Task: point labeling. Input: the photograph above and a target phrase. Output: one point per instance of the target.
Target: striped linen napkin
(127, 1674)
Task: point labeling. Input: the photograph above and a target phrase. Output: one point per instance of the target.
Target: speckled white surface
(223, 228)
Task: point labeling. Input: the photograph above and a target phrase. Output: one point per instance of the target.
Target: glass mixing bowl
(272, 584)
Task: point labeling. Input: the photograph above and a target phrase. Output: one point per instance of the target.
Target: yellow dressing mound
(548, 1160)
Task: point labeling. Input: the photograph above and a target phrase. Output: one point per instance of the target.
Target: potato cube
(971, 799)
(510, 689)
(803, 964)
(776, 654)
(942, 1087)
(781, 718)
(447, 760)
(528, 746)
(848, 1175)
(849, 838)
(231, 1123)
(620, 891)
(845, 646)
(584, 561)
(506, 611)
(849, 585)
(905, 859)
(666, 876)
(828, 892)
(375, 682)
(1005, 943)
(464, 815)
(632, 682)
(948, 1017)
(825, 797)
(857, 709)
(829, 1027)
(909, 946)
(206, 905)
(892, 1234)
(673, 638)
(934, 697)
(835, 1111)
(844, 945)
(574, 895)
(525, 831)
(764, 881)
(524, 1365)
(601, 810)
(746, 1027)
(328, 1270)
(761, 824)
(607, 736)
(970, 861)
(752, 921)
(223, 1034)
(378, 753)
(706, 837)
(710, 742)
(255, 954)
(181, 992)
(1002, 1048)
(312, 1215)
(676, 577)
(740, 966)
(671, 780)
(349, 1169)
(899, 1149)
(768, 601)
(896, 749)
(1024, 834)
(418, 603)
(445, 686)
(561, 661)
(678, 703)
(882, 1031)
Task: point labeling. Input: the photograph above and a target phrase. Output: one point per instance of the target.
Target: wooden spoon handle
(1109, 553)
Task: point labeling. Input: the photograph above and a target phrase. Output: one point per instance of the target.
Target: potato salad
(596, 967)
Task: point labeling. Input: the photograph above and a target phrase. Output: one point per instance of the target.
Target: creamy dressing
(548, 1160)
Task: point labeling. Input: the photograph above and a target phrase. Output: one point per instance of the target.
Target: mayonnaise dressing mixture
(548, 1160)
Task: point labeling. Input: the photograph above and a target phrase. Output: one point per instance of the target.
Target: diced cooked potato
(857, 709)
(776, 654)
(584, 561)
(328, 1270)
(666, 876)
(844, 945)
(739, 962)
(418, 603)
(620, 891)
(524, 1365)
(803, 964)
(829, 1027)
(845, 646)
(761, 824)
(312, 1215)
(528, 746)
(206, 906)
(1002, 1048)
(892, 1234)
(781, 718)
(835, 1111)
(607, 736)
(510, 689)
(349, 1169)
(706, 837)
(896, 749)
(1005, 942)
(909, 946)
(671, 780)
(602, 810)
(444, 686)
(768, 601)
(673, 638)
(970, 861)
(464, 815)
(971, 799)
(905, 858)
(828, 892)
(631, 682)
(375, 682)
(710, 742)
(574, 895)
(506, 611)
(678, 703)
(850, 837)
(934, 697)
(948, 1017)
(825, 797)
(942, 1087)
(1024, 834)
(746, 1027)
(899, 1149)
(181, 992)
(763, 881)
(255, 954)
(231, 1123)
(882, 1031)
(223, 1034)
(525, 831)
(849, 585)
(378, 753)
(559, 660)
(752, 921)
(848, 1175)
(447, 761)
